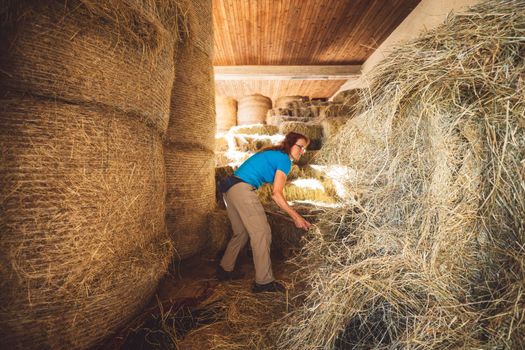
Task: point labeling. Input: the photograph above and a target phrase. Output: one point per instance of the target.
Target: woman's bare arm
(278, 197)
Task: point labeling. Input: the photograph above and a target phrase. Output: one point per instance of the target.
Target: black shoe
(223, 275)
(268, 287)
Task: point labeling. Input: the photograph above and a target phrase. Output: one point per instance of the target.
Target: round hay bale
(252, 109)
(83, 241)
(190, 178)
(220, 230)
(313, 131)
(226, 110)
(290, 102)
(220, 173)
(192, 115)
(120, 57)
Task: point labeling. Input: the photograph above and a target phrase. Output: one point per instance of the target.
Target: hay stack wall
(226, 111)
(252, 109)
(290, 102)
(189, 150)
(433, 255)
(84, 106)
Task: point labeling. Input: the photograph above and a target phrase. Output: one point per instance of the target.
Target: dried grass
(433, 254)
(78, 228)
(192, 119)
(252, 109)
(254, 143)
(304, 172)
(277, 120)
(221, 144)
(308, 157)
(348, 97)
(332, 125)
(290, 102)
(233, 159)
(116, 54)
(226, 111)
(242, 319)
(255, 129)
(312, 130)
(305, 189)
(220, 231)
(190, 197)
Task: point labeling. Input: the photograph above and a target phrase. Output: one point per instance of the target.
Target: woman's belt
(224, 184)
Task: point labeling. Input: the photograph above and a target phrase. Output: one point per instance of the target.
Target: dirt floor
(177, 317)
(193, 310)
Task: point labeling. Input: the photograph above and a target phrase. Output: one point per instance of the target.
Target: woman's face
(298, 149)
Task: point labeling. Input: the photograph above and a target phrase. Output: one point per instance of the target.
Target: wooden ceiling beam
(303, 72)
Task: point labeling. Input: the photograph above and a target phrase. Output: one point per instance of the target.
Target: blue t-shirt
(261, 167)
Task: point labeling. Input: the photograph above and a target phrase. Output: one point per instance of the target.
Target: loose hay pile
(241, 319)
(433, 255)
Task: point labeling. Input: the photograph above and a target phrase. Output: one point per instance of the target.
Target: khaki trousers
(248, 220)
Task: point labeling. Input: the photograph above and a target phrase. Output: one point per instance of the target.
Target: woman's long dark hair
(289, 141)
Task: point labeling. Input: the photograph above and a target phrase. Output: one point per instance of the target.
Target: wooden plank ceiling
(299, 32)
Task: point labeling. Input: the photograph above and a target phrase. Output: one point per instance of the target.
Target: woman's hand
(300, 222)
(278, 197)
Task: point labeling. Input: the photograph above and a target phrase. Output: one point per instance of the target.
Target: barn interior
(118, 119)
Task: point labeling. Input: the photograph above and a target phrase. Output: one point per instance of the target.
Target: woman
(246, 213)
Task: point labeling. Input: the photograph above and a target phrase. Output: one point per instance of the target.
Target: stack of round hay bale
(292, 108)
(343, 107)
(83, 111)
(252, 109)
(313, 130)
(318, 106)
(291, 102)
(190, 142)
(344, 103)
(241, 141)
(226, 113)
